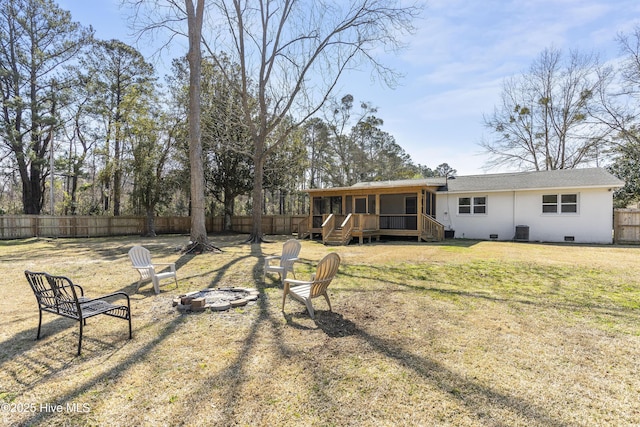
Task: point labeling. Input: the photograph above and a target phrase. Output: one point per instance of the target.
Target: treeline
(89, 128)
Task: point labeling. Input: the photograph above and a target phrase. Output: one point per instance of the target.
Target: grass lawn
(460, 333)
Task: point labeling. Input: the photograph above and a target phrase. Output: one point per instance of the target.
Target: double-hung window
(560, 203)
(569, 203)
(472, 205)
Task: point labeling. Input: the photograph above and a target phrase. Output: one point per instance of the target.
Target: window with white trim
(472, 205)
(479, 205)
(560, 203)
(569, 203)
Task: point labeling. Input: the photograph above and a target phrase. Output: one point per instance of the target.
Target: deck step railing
(328, 226)
(431, 229)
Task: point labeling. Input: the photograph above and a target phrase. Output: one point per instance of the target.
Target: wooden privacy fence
(626, 226)
(626, 223)
(25, 226)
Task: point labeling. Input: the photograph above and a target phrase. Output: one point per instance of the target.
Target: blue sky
(453, 66)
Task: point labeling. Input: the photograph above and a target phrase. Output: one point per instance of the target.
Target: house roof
(382, 185)
(554, 179)
(424, 182)
(558, 179)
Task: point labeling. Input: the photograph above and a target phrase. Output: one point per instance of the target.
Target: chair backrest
(67, 297)
(41, 288)
(140, 257)
(290, 249)
(54, 293)
(326, 271)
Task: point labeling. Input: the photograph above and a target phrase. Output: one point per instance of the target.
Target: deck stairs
(432, 230)
(335, 238)
(337, 231)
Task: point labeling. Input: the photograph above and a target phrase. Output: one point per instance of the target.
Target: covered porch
(371, 210)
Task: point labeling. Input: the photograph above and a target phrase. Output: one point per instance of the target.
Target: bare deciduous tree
(292, 55)
(543, 122)
(619, 111)
(153, 16)
(199, 237)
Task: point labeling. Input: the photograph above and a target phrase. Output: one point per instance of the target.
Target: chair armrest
(79, 287)
(272, 257)
(114, 294)
(288, 263)
(298, 282)
(287, 285)
(72, 285)
(164, 264)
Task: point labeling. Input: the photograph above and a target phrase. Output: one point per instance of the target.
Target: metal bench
(59, 295)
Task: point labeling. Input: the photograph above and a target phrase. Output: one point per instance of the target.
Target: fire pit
(216, 299)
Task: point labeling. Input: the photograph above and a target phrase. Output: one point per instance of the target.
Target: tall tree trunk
(257, 195)
(117, 171)
(117, 152)
(229, 202)
(199, 239)
(151, 222)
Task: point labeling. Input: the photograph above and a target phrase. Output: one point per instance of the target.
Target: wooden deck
(340, 229)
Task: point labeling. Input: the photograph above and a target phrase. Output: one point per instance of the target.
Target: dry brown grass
(454, 334)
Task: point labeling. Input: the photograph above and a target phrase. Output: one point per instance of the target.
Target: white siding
(593, 223)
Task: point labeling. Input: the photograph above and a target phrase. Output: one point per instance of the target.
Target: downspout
(448, 213)
(513, 216)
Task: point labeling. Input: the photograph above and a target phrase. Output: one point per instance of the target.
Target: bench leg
(80, 339)
(39, 324)
(130, 334)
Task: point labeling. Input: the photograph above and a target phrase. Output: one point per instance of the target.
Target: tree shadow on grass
(236, 372)
(236, 367)
(52, 359)
(477, 397)
(90, 382)
(431, 285)
(470, 394)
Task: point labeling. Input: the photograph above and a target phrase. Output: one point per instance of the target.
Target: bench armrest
(114, 294)
(76, 286)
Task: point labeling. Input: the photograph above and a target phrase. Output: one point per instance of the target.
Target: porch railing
(303, 228)
(339, 227)
(399, 222)
(366, 222)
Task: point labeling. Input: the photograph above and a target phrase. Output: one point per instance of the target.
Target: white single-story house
(569, 205)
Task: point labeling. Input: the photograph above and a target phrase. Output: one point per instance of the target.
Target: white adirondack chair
(290, 252)
(304, 291)
(141, 259)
